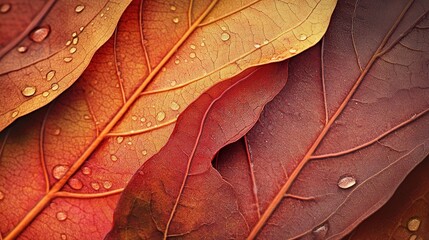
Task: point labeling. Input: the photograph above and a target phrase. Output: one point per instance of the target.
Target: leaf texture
(406, 214)
(123, 108)
(45, 46)
(173, 202)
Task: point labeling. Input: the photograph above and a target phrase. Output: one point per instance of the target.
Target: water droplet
(45, 94)
(5, 7)
(114, 158)
(54, 86)
(173, 8)
(22, 49)
(1, 195)
(81, 28)
(107, 9)
(101, 15)
(148, 124)
(142, 119)
(413, 237)
(40, 34)
(292, 50)
(257, 45)
(144, 152)
(68, 59)
(119, 140)
(86, 170)
(174, 106)
(59, 170)
(176, 20)
(320, 232)
(134, 118)
(107, 184)
(79, 8)
(14, 114)
(192, 55)
(202, 44)
(29, 91)
(74, 34)
(223, 28)
(224, 36)
(302, 37)
(192, 46)
(160, 116)
(95, 186)
(346, 182)
(63, 236)
(61, 216)
(75, 183)
(173, 83)
(266, 41)
(75, 40)
(50, 75)
(57, 131)
(73, 50)
(177, 61)
(413, 224)
(129, 143)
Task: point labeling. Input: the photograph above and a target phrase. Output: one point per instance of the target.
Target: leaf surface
(123, 108)
(405, 215)
(174, 203)
(45, 46)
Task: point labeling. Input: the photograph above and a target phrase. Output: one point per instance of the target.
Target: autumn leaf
(327, 152)
(405, 215)
(45, 46)
(162, 209)
(80, 151)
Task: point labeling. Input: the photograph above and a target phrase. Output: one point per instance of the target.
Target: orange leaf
(123, 108)
(45, 46)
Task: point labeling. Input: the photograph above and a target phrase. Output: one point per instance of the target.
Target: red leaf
(406, 214)
(173, 202)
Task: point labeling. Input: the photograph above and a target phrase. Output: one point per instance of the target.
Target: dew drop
(292, 50)
(173, 8)
(74, 34)
(73, 50)
(5, 7)
(68, 59)
(129, 143)
(302, 37)
(102, 15)
(144, 152)
(68, 43)
(148, 124)
(114, 158)
(176, 20)
(192, 55)
(134, 118)
(57, 131)
(86, 170)
(75, 40)
(40, 34)
(413, 237)
(192, 46)
(142, 119)
(346, 182)
(257, 45)
(224, 36)
(202, 44)
(107, 184)
(75, 183)
(14, 114)
(79, 8)
(223, 28)
(174, 106)
(50, 75)
(173, 83)
(413, 224)
(177, 61)
(81, 28)
(266, 41)
(1, 195)
(22, 49)
(61, 216)
(160, 116)
(320, 232)
(54, 86)
(63, 236)
(95, 186)
(59, 170)
(119, 140)
(45, 94)
(29, 91)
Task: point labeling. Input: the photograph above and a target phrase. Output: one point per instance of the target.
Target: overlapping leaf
(45, 46)
(81, 150)
(406, 215)
(352, 120)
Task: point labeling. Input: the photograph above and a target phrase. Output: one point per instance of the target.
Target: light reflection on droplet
(224, 36)
(40, 34)
(29, 91)
(22, 49)
(5, 7)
